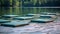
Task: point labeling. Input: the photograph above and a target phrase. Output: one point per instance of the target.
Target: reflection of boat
(4, 21)
(42, 20)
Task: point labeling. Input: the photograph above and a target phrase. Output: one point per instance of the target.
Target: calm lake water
(23, 11)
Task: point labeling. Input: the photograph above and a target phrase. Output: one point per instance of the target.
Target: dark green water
(22, 11)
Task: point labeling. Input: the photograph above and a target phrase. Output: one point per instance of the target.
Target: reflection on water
(22, 11)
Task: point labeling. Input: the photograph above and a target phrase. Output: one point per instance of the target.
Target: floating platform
(47, 13)
(4, 21)
(9, 16)
(48, 16)
(42, 20)
(15, 24)
(22, 18)
(51, 13)
(33, 15)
